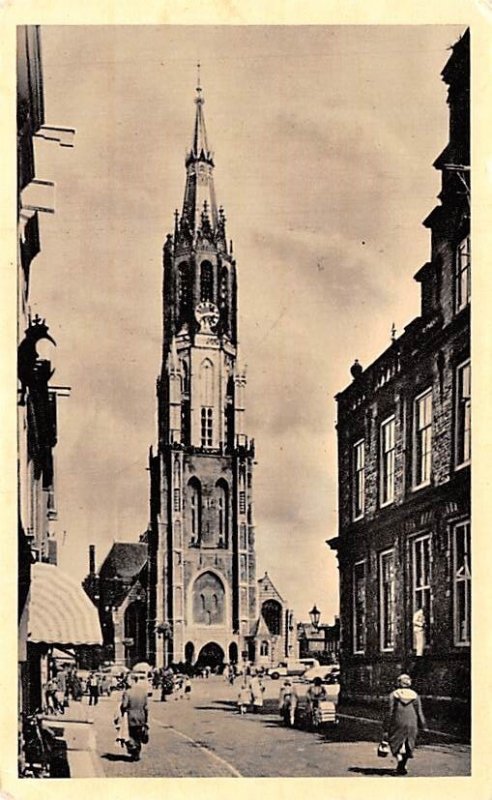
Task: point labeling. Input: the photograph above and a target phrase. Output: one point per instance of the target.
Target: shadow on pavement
(117, 757)
(373, 771)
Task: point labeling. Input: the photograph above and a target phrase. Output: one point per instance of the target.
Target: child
(244, 698)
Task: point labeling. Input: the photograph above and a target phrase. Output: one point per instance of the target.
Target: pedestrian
(314, 696)
(287, 702)
(187, 687)
(244, 698)
(402, 722)
(61, 691)
(178, 687)
(134, 704)
(257, 689)
(93, 685)
(166, 683)
(49, 693)
(226, 672)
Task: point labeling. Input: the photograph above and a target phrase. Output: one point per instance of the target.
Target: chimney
(92, 559)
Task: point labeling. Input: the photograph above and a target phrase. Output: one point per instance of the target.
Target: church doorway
(233, 653)
(135, 633)
(211, 655)
(189, 652)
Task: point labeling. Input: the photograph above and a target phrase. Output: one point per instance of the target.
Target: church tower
(202, 572)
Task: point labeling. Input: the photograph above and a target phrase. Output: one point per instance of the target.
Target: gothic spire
(199, 197)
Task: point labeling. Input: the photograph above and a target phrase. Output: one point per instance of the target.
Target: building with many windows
(404, 465)
(202, 568)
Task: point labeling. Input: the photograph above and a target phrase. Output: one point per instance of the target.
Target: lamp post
(315, 615)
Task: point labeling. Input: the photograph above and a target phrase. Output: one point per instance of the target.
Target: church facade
(202, 570)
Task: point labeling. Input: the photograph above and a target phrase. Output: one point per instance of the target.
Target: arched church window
(208, 597)
(207, 378)
(206, 282)
(224, 298)
(195, 495)
(271, 611)
(222, 511)
(184, 292)
(185, 377)
(264, 649)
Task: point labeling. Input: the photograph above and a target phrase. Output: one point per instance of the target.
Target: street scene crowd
(308, 702)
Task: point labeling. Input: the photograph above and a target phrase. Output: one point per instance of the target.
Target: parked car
(325, 672)
(292, 668)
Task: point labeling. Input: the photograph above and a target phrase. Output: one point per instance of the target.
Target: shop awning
(60, 612)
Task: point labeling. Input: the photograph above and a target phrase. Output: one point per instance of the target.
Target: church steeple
(200, 212)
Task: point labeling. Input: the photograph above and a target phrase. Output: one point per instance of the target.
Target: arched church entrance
(135, 633)
(189, 652)
(211, 655)
(233, 653)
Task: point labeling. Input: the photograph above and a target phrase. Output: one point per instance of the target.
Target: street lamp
(315, 615)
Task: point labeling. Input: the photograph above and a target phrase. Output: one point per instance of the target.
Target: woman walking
(257, 690)
(402, 721)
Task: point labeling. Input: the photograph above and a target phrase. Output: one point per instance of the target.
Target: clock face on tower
(207, 316)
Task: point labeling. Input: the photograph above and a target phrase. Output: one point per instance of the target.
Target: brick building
(202, 565)
(404, 465)
(119, 591)
(52, 611)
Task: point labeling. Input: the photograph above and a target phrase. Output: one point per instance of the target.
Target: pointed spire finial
(393, 332)
(199, 99)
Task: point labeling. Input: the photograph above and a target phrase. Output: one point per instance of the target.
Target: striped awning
(59, 610)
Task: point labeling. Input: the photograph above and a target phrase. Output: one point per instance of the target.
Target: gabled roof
(125, 560)
(269, 585)
(260, 629)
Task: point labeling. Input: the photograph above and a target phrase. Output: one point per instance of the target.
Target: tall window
(388, 461)
(207, 429)
(463, 414)
(222, 509)
(206, 282)
(264, 649)
(421, 579)
(359, 607)
(462, 584)
(358, 479)
(387, 599)
(423, 438)
(462, 274)
(195, 503)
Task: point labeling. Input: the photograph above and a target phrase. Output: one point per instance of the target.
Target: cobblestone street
(205, 737)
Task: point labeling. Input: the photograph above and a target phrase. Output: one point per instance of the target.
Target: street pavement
(206, 737)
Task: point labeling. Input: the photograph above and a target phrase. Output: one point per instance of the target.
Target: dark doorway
(189, 652)
(233, 653)
(211, 655)
(135, 633)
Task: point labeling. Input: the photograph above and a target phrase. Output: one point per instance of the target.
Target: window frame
(382, 616)
(357, 490)
(382, 454)
(466, 579)
(415, 430)
(462, 253)
(421, 537)
(458, 420)
(356, 651)
(207, 427)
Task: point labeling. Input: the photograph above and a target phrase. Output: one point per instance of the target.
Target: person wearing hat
(402, 722)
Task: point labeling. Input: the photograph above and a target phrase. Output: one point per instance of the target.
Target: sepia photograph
(243, 401)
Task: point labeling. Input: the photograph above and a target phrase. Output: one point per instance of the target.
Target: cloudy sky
(324, 139)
